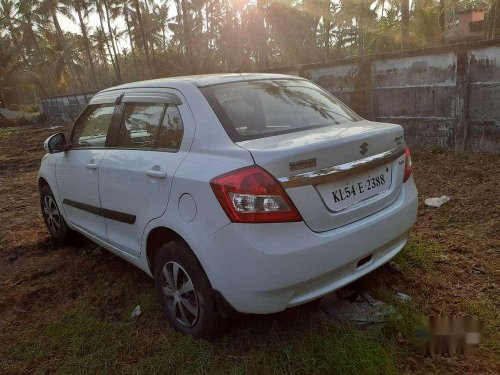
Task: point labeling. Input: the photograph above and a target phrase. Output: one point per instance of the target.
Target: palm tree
(187, 35)
(7, 16)
(361, 11)
(143, 35)
(112, 37)
(106, 40)
(81, 8)
(262, 32)
(31, 21)
(160, 19)
(53, 7)
(12, 73)
(405, 23)
(493, 20)
(426, 26)
(124, 8)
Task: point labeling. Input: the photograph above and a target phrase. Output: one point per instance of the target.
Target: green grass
(6, 132)
(99, 336)
(418, 253)
(488, 314)
(81, 344)
(82, 341)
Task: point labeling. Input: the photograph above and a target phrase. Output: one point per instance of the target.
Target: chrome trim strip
(340, 171)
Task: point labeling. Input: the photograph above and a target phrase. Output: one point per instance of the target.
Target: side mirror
(55, 143)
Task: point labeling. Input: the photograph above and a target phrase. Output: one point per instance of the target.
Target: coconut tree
(105, 4)
(30, 20)
(8, 17)
(82, 9)
(100, 13)
(13, 74)
(186, 22)
(55, 7)
(144, 41)
(425, 25)
(123, 9)
(362, 13)
(405, 23)
(160, 19)
(493, 20)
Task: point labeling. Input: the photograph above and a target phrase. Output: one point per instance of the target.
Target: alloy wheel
(52, 215)
(180, 294)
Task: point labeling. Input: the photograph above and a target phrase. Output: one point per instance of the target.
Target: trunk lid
(337, 174)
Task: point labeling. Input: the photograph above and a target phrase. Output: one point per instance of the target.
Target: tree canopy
(131, 40)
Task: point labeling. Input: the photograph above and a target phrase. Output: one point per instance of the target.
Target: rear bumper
(265, 268)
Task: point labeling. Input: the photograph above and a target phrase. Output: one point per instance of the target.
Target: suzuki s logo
(364, 148)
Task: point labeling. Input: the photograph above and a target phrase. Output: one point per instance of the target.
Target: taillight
(408, 167)
(252, 195)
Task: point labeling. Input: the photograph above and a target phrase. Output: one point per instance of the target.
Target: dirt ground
(67, 308)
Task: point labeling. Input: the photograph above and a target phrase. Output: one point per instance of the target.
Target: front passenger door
(77, 170)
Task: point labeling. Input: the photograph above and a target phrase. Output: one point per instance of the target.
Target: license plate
(341, 194)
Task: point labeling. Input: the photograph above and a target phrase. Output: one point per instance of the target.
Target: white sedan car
(236, 192)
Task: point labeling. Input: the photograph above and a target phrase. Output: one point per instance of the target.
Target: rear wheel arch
(158, 237)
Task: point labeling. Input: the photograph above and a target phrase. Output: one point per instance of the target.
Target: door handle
(92, 165)
(156, 173)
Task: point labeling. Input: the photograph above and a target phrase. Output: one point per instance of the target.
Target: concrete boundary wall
(446, 97)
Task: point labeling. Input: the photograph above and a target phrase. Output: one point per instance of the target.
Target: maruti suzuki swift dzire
(237, 192)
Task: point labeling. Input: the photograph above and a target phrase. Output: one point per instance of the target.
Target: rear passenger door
(150, 141)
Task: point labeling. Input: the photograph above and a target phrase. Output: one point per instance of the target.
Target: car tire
(54, 220)
(187, 299)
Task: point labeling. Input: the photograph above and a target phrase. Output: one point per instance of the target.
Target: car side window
(140, 125)
(91, 130)
(172, 130)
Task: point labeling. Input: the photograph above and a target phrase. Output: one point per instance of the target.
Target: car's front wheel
(52, 216)
(185, 292)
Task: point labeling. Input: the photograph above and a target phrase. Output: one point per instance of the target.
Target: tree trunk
(111, 36)
(494, 19)
(262, 46)
(87, 45)
(340, 41)
(61, 41)
(361, 35)
(328, 27)
(44, 62)
(187, 36)
(132, 48)
(107, 44)
(442, 21)
(164, 39)
(405, 24)
(143, 36)
(150, 40)
(102, 54)
(4, 101)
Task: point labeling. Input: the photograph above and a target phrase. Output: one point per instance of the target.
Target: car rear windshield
(261, 108)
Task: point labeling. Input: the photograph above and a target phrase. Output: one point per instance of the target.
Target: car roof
(201, 80)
